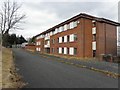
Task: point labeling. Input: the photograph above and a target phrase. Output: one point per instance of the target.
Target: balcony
(94, 30)
(47, 37)
(47, 44)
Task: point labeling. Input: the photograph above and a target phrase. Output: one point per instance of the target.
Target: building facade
(80, 36)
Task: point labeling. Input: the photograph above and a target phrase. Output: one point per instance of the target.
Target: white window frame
(75, 24)
(71, 25)
(60, 50)
(60, 39)
(94, 30)
(71, 51)
(65, 50)
(68, 26)
(71, 38)
(65, 27)
(65, 38)
(94, 45)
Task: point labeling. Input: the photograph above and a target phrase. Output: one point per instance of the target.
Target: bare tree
(10, 17)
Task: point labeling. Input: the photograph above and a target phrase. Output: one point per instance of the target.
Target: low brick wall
(30, 47)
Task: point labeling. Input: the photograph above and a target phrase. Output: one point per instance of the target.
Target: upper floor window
(73, 37)
(94, 37)
(68, 38)
(60, 39)
(53, 41)
(75, 24)
(65, 27)
(94, 23)
(38, 43)
(65, 38)
(61, 29)
(68, 26)
(71, 25)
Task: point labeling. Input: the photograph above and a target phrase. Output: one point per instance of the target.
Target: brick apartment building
(80, 36)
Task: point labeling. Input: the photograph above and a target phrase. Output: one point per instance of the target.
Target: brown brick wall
(111, 39)
(30, 47)
(106, 39)
(75, 44)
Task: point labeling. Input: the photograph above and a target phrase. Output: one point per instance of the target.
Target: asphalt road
(42, 72)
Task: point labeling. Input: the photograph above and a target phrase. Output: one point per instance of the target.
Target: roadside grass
(10, 79)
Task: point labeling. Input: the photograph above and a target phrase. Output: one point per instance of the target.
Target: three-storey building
(80, 36)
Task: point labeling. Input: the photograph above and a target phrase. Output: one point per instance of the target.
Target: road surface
(42, 72)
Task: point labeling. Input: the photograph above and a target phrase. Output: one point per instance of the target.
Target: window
(65, 38)
(75, 51)
(36, 49)
(94, 23)
(71, 25)
(75, 24)
(39, 43)
(94, 37)
(53, 50)
(71, 51)
(68, 26)
(71, 37)
(94, 30)
(53, 41)
(60, 50)
(94, 53)
(68, 38)
(57, 50)
(61, 29)
(93, 45)
(65, 50)
(56, 31)
(65, 27)
(75, 37)
(60, 39)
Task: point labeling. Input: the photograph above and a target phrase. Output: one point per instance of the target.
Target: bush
(107, 57)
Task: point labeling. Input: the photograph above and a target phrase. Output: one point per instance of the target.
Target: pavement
(44, 71)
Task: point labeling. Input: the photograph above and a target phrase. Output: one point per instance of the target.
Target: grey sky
(42, 15)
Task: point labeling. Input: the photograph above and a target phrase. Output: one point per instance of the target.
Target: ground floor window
(75, 51)
(53, 50)
(94, 53)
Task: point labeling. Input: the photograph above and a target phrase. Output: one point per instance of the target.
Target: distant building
(30, 47)
(23, 45)
(80, 36)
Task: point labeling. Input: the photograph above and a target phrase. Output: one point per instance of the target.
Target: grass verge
(10, 79)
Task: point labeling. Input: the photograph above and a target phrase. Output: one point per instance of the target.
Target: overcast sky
(44, 14)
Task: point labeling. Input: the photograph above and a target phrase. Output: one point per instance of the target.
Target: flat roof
(81, 15)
